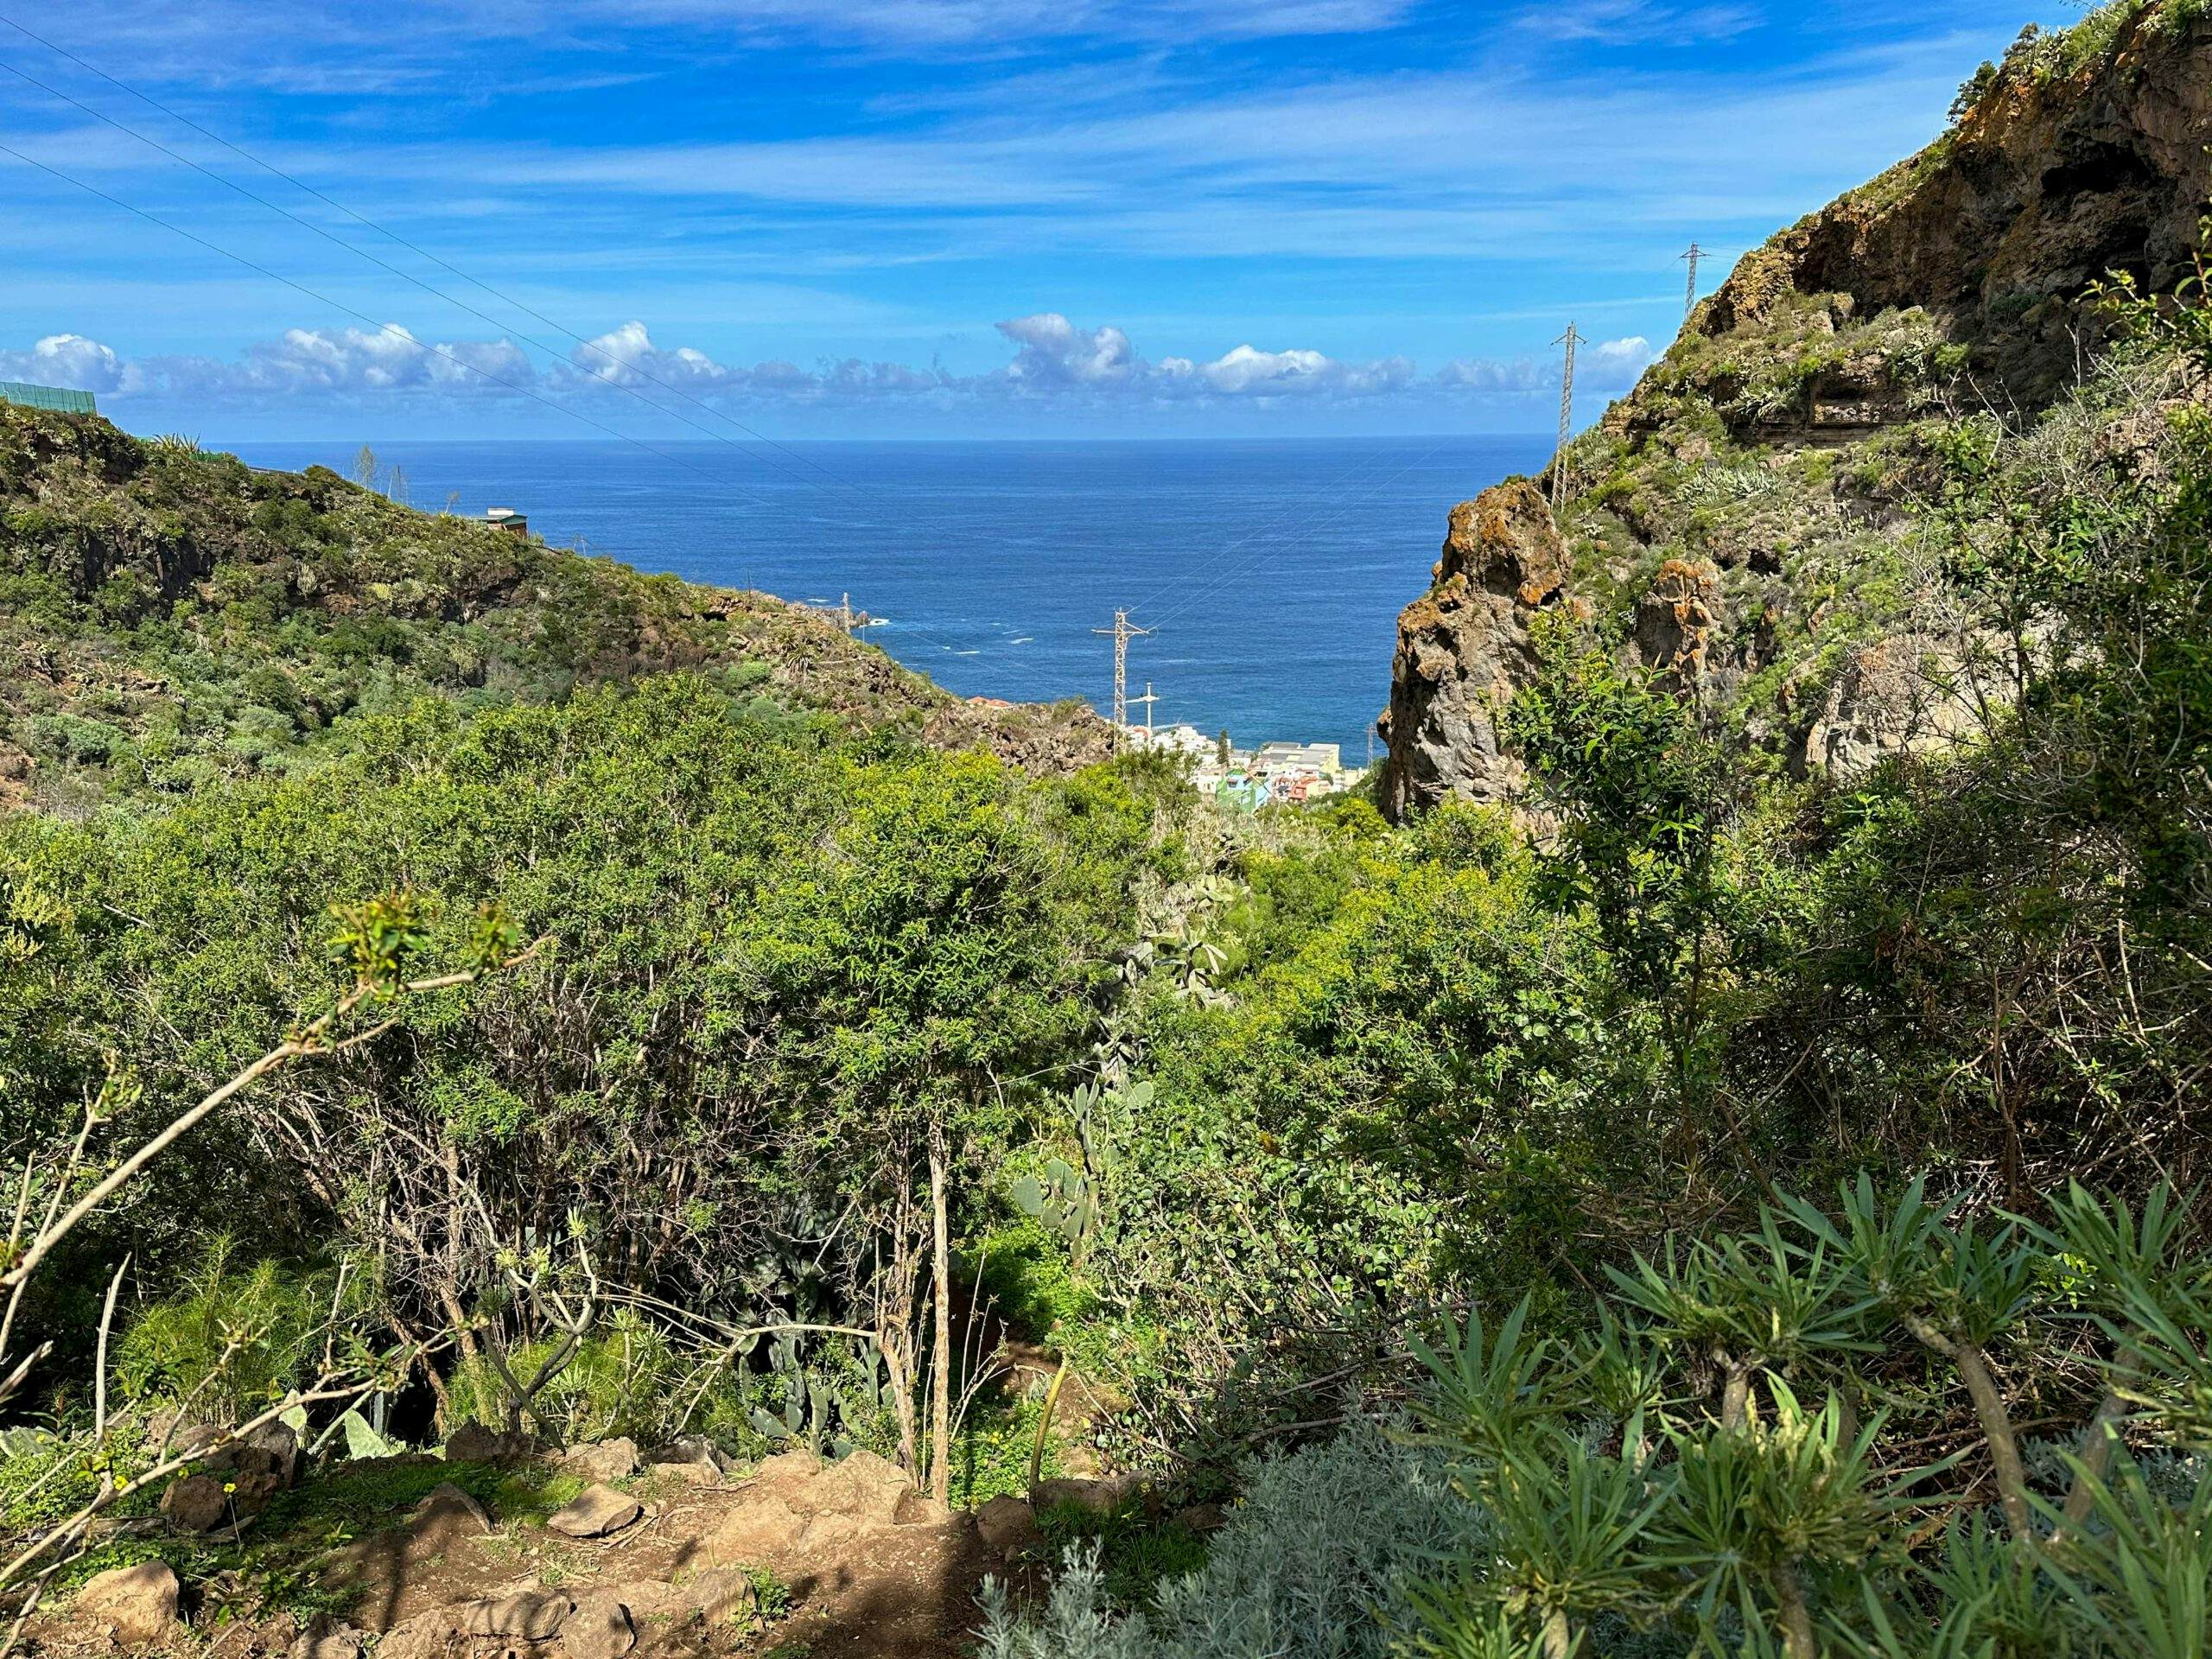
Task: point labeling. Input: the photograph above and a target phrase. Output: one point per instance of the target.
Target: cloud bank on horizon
(1055, 364)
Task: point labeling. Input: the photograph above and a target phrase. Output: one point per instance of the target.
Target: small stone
(598, 1628)
(603, 1460)
(1006, 1525)
(196, 1503)
(447, 1509)
(722, 1595)
(527, 1616)
(597, 1510)
(137, 1603)
(322, 1640)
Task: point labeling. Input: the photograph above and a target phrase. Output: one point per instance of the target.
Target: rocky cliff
(1743, 521)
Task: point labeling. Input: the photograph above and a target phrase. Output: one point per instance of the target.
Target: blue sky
(918, 218)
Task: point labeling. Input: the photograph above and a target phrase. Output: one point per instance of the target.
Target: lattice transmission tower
(1570, 339)
(1123, 631)
(1689, 297)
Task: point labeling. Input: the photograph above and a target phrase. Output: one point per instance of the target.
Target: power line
(384, 327)
(1313, 526)
(585, 344)
(1358, 468)
(275, 171)
(444, 265)
(395, 332)
(409, 276)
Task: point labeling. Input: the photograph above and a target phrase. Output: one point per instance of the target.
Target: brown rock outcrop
(135, 1604)
(1675, 621)
(2051, 180)
(1464, 646)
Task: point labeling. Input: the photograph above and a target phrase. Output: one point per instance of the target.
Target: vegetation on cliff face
(170, 619)
(1749, 1193)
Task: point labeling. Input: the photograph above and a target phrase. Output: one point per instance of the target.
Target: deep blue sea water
(1273, 571)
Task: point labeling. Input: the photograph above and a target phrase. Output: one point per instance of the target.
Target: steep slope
(169, 618)
(1746, 520)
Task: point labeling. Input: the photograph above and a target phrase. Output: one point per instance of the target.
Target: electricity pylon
(1689, 299)
(1123, 631)
(1570, 339)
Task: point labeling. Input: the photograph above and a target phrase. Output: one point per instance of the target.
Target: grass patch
(1136, 1553)
(990, 1455)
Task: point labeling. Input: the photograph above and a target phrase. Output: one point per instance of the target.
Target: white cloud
(628, 357)
(365, 360)
(1055, 352)
(65, 361)
(1610, 366)
(1615, 364)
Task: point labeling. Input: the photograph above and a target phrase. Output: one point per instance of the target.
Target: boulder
(1905, 695)
(596, 1511)
(190, 1439)
(517, 1616)
(269, 1457)
(136, 1604)
(603, 1460)
(797, 1502)
(196, 1503)
(860, 1486)
(1464, 647)
(598, 1627)
(1006, 1525)
(471, 1442)
(426, 1635)
(695, 1450)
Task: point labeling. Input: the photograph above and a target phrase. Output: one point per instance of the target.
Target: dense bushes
(1750, 1450)
(778, 976)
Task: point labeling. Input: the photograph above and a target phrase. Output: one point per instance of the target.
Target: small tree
(1637, 793)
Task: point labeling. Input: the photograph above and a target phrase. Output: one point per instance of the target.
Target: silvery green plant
(1319, 1560)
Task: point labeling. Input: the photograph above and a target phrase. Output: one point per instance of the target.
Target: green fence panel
(57, 398)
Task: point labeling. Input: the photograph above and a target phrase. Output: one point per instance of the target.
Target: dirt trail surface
(832, 1561)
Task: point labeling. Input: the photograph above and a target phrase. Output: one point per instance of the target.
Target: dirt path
(833, 1561)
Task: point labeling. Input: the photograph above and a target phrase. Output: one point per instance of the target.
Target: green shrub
(236, 1338)
(1321, 1559)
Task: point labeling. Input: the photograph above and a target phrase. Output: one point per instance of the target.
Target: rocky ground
(837, 1560)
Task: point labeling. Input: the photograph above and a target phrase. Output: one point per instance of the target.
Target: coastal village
(1272, 774)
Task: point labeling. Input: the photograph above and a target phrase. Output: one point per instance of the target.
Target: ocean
(1271, 572)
